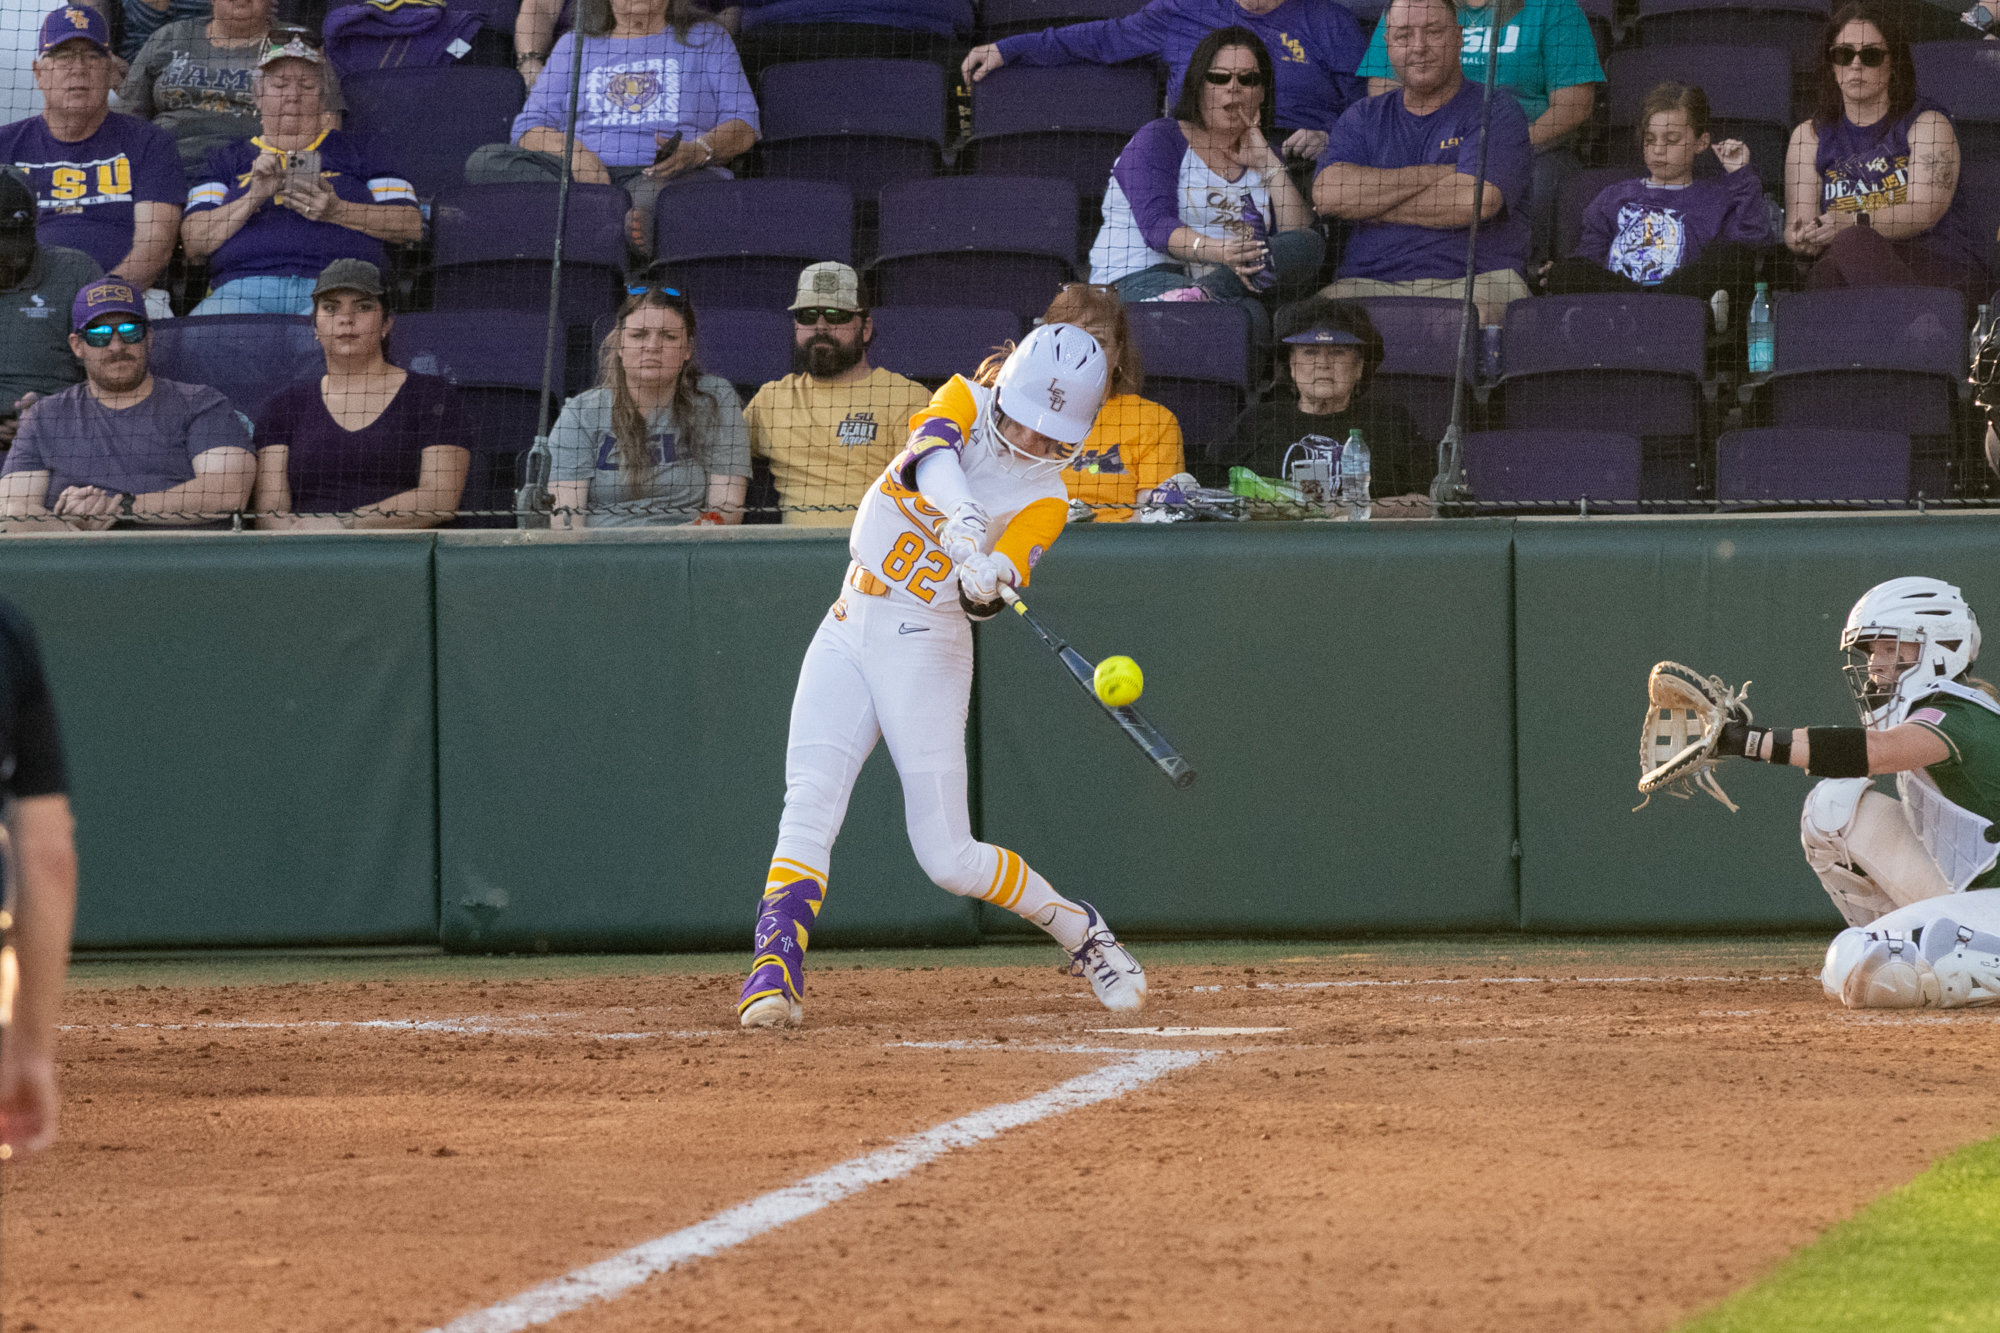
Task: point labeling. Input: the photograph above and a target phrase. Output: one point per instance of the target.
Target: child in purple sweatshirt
(1670, 232)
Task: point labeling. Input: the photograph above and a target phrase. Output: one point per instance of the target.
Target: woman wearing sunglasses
(658, 442)
(1200, 206)
(1871, 180)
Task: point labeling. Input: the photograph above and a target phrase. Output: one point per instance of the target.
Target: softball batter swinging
(969, 506)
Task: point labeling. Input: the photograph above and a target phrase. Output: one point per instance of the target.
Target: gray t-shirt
(200, 92)
(675, 488)
(150, 446)
(34, 324)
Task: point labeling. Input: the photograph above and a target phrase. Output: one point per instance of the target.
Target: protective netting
(1663, 256)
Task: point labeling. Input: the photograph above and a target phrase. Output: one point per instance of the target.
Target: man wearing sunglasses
(830, 427)
(124, 449)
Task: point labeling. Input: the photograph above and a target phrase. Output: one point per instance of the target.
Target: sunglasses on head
(129, 331)
(641, 288)
(1222, 78)
(813, 315)
(1871, 57)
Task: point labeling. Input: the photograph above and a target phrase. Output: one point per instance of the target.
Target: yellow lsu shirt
(1134, 446)
(826, 443)
(895, 533)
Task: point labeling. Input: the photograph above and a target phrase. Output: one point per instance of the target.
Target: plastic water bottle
(1354, 477)
(1763, 341)
(1980, 328)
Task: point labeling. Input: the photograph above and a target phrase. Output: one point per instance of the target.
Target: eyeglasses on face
(1222, 78)
(641, 288)
(813, 315)
(129, 331)
(1871, 57)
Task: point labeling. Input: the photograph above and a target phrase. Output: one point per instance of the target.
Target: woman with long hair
(367, 445)
(1199, 203)
(1136, 443)
(658, 441)
(1871, 181)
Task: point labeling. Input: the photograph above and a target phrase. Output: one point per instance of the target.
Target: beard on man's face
(121, 372)
(822, 356)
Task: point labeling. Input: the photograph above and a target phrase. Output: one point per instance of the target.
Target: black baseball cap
(17, 204)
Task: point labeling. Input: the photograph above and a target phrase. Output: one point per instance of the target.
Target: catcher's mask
(1927, 613)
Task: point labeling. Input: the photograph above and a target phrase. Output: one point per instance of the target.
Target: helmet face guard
(1879, 697)
(1925, 612)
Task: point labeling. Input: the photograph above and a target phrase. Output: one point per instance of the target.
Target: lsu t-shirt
(827, 443)
(672, 485)
(277, 242)
(1134, 445)
(1544, 47)
(634, 87)
(88, 192)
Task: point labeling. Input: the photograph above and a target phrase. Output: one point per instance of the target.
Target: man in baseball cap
(37, 284)
(830, 427)
(124, 448)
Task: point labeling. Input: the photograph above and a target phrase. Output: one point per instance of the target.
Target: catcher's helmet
(1053, 384)
(1927, 612)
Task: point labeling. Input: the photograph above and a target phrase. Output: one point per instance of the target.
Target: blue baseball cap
(110, 296)
(74, 22)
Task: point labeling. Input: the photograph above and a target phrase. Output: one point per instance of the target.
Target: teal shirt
(1546, 46)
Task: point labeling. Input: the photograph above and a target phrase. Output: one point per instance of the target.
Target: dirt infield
(1462, 1137)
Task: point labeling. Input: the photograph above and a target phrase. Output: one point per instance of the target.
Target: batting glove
(964, 532)
(982, 577)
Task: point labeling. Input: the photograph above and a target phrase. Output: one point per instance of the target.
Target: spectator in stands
(658, 441)
(124, 448)
(1669, 232)
(1547, 59)
(270, 214)
(1871, 181)
(1200, 205)
(37, 284)
(1136, 443)
(830, 427)
(368, 445)
(1401, 166)
(110, 185)
(1332, 351)
(1322, 43)
(655, 73)
(772, 32)
(196, 80)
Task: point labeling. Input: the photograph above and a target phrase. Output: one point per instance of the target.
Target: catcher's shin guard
(793, 895)
(1965, 961)
(1891, 973)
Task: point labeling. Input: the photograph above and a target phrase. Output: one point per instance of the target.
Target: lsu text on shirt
(278, 243)
(895, 534)
(88, 192)
(827, 443)
(1544, 47)
(1865, 168)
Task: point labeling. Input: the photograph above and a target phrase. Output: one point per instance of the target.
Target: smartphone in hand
(667, 147)
(301, 165)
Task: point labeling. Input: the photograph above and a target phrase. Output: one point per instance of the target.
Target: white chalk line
(610, 1278)
(1478, 981)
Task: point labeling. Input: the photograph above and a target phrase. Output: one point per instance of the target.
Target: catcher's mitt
(1684, 715)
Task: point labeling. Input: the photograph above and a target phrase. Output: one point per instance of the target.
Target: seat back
(1004, 18)
(1965, 78)
(749, 348)
(741, 244)
(1804, 468)
(1197, 359)
(1918, 330)
(400, 109)
(1749, 92)
(863, 123)
(493, 244)
(1794, 26)
(1575, 197)
(1010, 240)
(931, 344)
(1066, 122)
(1979, 184)
(1551, 469)
(248, 358)
(1420, 357)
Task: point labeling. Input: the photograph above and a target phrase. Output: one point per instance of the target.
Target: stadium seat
(749, 348)
(1979, 182)
(1068, 122)
(742, 243)
(1368, 12)
(1965, 78)
(1790, 25)
(1875, 359)
(1634, 360)
(1009, 240)
(400, 109)
(1551, 471)
(1004, 18)
(865, 124)
(1599, 14)
(1575, 197)
(1749, 97)
(1420, 346)
(931, 344)
(494, 243)
(1197, 359)
(1784, 468)
(247, 357)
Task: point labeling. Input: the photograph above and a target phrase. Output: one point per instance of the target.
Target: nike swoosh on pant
(913, 629)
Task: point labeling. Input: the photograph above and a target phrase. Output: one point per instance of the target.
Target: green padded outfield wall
(1343, 690)
(1597, 603)
(612, 721)
(249, 730)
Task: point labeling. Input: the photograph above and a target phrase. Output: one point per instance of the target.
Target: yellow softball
(1118, 681)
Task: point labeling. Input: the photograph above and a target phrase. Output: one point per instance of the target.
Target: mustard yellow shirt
(827, 443)
(1135, 445)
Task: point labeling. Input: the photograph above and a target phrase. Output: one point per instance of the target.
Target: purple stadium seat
(931, 344)
(1577, 192)
(1004, 18)
(1965, 78)
(494, 359)
(1197, 359)
(1789, 468)
(1875, 359)
(400, 109)
(742, 243)
(1599, 14)
(1009, 239)
(1634, 361)
(1749, 96)
(863, 123)
(1369, 12)
(493, 244)
(1544, 469)
(1420, 356)
(1068, 122)
(1979, 182)
(1791, 25)
(247, 357)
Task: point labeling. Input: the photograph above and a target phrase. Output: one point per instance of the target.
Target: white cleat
(1115, 975)
(773, 1011)
(1891, 974)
